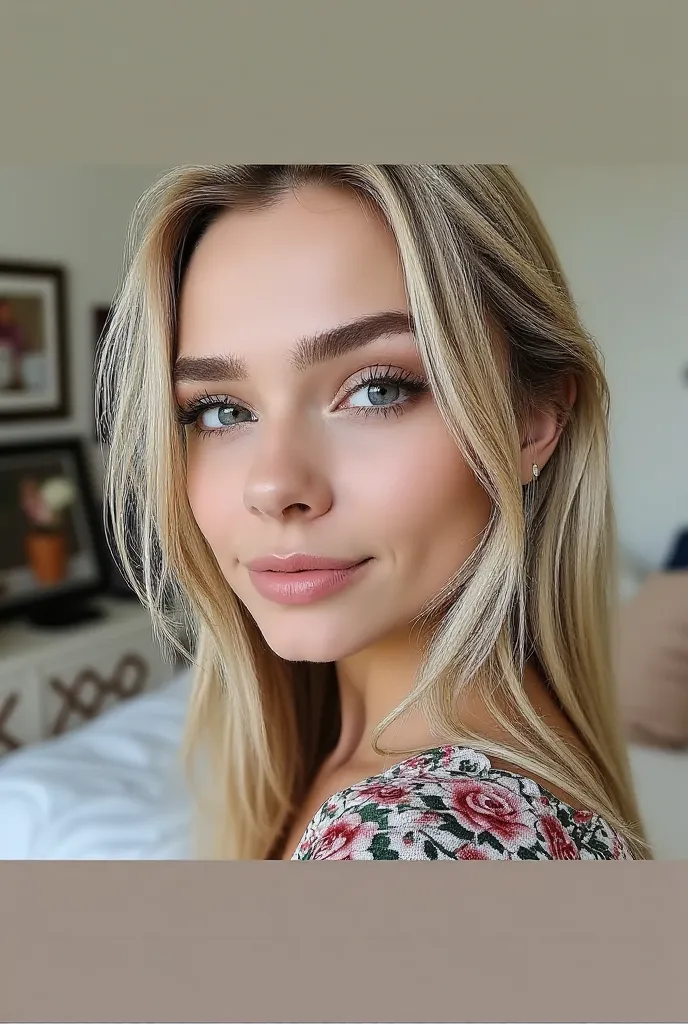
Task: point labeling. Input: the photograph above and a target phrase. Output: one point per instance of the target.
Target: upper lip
(300, 563)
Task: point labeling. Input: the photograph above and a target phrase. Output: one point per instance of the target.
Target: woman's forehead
(273, 276)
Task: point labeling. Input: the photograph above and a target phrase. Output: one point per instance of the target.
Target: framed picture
(100, 319)
(52, 543)
(33, 347)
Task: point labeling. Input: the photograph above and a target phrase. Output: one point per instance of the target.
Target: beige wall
(622, 234)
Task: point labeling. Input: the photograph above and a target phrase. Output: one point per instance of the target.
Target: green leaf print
(434, 803)
(374, 812)
(380, 850)
(490, 840)
(454, 828)
(525, 853)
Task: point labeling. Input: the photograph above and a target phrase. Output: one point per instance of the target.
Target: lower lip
(304, 587)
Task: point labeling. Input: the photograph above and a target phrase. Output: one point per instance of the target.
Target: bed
(110, 790)
(115, 789)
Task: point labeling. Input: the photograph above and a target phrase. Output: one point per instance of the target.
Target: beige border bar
(169, 81)
(344, 942)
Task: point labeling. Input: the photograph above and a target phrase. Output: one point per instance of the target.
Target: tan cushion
(652, 661)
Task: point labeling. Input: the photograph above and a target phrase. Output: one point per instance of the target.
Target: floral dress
(451, 804)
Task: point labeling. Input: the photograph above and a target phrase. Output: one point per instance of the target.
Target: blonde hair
(478, 264)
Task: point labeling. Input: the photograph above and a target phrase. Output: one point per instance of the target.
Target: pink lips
(301, 579)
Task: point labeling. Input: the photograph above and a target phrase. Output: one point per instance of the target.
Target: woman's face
(319, 436)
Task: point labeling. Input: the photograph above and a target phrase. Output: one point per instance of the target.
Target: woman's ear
(543, 431)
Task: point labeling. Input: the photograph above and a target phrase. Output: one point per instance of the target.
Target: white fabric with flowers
(451, 804)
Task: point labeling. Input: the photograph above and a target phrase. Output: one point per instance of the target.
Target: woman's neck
(374, 682)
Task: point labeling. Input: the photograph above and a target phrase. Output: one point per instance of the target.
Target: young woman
(362, 437)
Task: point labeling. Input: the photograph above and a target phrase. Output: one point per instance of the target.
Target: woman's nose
(283, 482)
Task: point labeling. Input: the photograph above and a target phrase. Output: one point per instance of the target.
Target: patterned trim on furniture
(7, 706)
(127, 681)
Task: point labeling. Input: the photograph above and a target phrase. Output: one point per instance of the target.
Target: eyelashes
(376, 381)
(376, 384)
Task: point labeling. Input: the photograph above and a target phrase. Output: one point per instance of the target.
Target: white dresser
(53, 680)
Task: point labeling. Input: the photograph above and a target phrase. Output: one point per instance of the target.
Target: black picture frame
(34, 355)
(100, 316)
(87, 543)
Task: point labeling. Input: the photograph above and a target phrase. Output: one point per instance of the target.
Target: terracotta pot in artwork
(46, 551)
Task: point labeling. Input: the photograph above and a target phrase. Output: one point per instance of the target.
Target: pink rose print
(560, 844)
(582, 817)
(471, 852)
(482, 806)
(339, 838)
(386, 794)
(428, 818)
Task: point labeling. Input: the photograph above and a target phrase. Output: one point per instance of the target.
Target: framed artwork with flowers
(33, 346)
(52, 551)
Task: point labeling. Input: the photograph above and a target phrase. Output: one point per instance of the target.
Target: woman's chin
(311, 650)
(314, 646)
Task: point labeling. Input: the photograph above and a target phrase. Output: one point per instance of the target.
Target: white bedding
(115, 790)
(111, 790)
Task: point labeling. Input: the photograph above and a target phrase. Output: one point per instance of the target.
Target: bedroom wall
(76, 216)
(623, 237)
(622, 234)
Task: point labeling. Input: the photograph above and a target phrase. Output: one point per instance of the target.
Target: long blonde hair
(539, 586)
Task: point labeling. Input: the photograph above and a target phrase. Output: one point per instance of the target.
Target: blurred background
(74, 645)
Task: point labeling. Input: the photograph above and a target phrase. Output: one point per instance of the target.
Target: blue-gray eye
(228, 415)
(377, 394)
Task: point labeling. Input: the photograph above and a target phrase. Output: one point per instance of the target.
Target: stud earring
(536, 471)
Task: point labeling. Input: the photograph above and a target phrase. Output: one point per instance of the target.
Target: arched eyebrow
(318, 348)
